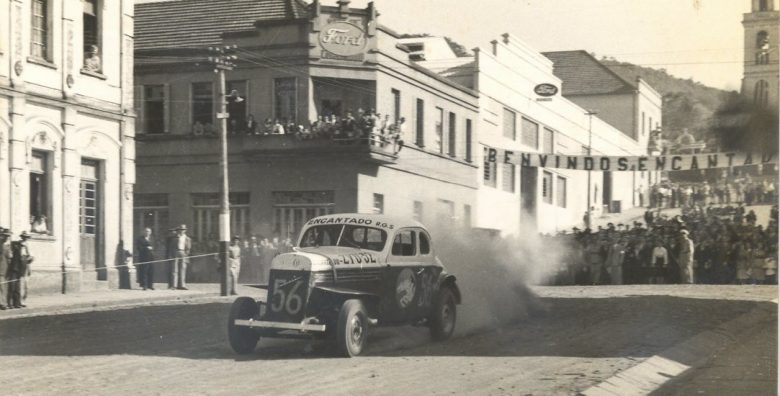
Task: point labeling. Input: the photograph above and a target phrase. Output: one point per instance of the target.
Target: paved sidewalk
(57, 304)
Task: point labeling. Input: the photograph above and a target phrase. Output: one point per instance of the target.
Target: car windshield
(360, 237)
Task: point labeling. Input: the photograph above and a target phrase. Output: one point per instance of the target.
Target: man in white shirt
(183, 245)
(658, 263)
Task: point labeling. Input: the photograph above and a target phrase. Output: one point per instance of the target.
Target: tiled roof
(582, 74)
(199, 23)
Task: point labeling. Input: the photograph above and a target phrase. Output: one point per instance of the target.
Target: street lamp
(590, 114)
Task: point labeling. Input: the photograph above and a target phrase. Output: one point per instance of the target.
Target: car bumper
(261, 324)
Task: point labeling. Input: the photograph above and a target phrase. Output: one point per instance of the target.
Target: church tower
(762, 59)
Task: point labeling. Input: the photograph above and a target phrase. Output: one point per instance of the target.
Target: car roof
(361, 218)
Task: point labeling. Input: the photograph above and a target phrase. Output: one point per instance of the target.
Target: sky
(698, 39)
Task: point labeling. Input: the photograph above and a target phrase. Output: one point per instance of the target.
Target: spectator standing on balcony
(400, 132)
(250, 126)
(92, 59)
(268, 127)
(278, 128)
(348, 125)
(197, 129)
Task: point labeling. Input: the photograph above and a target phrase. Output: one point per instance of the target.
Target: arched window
(761, 93)
(762, 48)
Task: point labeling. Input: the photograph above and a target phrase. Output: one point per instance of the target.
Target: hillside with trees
(688, 104)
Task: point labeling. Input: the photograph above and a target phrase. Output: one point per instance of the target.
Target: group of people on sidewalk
(15, 260)
(178, 246)
(177, 257)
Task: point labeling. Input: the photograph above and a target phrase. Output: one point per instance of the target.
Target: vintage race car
(350, 272)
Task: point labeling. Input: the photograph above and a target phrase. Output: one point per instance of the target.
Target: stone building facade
(66, 137)
(762, 53)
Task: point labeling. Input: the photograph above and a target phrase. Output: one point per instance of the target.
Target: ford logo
(546, 89)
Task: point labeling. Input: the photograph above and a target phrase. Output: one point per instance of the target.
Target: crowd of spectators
(745, 190)
(729, 247)
(369, 126)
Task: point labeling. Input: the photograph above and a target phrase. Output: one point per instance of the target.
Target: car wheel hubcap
(356, 331)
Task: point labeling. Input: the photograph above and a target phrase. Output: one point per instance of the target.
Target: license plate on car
(288, 292)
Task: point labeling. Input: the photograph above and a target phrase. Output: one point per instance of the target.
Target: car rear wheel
(242, 339)
(352, 328)
(442, 321)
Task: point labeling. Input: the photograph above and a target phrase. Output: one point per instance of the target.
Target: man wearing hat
(5, 263)
(19, 271)
(685, 260)
(181, 246)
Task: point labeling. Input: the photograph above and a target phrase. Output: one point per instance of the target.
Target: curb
(104, 305)
(655, 371)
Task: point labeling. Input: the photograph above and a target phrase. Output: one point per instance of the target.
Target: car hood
(325, 257)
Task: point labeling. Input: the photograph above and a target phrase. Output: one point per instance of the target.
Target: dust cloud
(494, 274)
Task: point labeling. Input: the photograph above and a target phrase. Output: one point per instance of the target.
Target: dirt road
(580, 337)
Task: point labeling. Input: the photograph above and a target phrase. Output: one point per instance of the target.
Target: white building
(66, 136)
(516, 199)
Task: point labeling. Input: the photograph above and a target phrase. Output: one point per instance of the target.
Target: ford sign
(546, 89)
(343, 39)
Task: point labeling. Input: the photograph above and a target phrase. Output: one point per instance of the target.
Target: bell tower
(762, 60)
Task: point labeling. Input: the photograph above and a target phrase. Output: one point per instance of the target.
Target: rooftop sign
(343, 39)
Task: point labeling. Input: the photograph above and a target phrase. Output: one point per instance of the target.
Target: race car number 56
(288, 299)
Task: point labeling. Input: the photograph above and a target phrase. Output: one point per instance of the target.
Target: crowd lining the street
(748, 190)
(713, 245)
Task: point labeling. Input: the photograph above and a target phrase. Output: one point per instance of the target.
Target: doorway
(90, 218)
(528, 186)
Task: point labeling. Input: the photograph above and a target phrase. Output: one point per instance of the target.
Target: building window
(452, 137)
(379, 204)
(549, 141)
(40, 29)
(418, 211)
(420, 136)
(446, 209)
(762, 48)
(151, 211)
(643, 123)
(650, 123)
(205, 216)
(468, 140)
(560, 188)
(91, 35)
(761, 93)
(763, 5)
(439, 130)
(285, 104)
(489, 172)
(510, 124)
(40, 196)
(530, 134)
(203, 103)
(396, 104)
(292, 209)
(508, 177)
(236, 105)
(154, 109)
(467, 216)
(547, 180)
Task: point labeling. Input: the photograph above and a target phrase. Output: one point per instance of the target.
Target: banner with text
(628, 163)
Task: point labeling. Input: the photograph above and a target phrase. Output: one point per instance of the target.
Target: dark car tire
(442, 320)
(352, 328)
(242, 339)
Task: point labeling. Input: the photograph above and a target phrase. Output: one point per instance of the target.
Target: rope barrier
(128, 265)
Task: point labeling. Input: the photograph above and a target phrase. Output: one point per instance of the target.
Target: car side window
(425, 245)
(404, 243)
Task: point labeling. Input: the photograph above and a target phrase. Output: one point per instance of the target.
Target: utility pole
(590, 114)
(223, 60)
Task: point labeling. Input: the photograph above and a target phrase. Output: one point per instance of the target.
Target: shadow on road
(575, 327)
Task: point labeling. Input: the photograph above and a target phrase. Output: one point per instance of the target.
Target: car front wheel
(352, 328)
(442, 321)
(242, 339)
